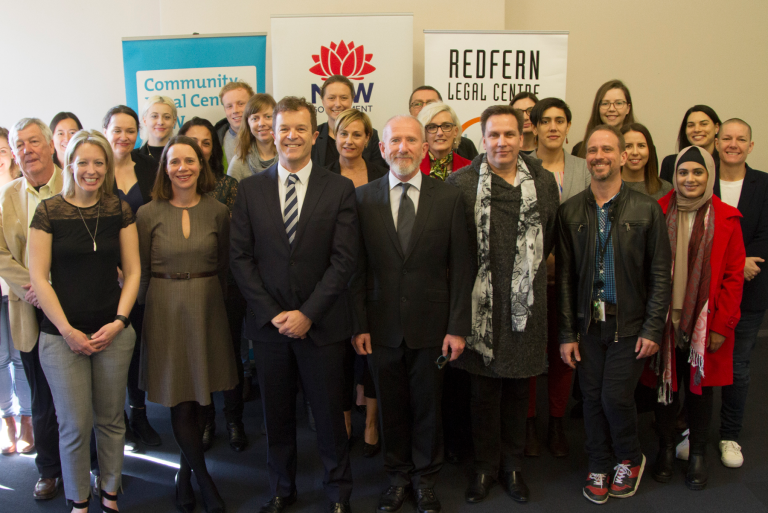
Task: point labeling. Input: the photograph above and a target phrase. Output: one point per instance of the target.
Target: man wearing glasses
(424, 95)
(411, 298)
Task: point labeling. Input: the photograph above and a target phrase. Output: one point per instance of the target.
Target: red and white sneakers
(627, 479)
(596, 489)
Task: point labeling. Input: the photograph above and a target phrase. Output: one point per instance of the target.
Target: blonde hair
(151, 101)
(14, 170)
(95, 138)
(433, 109)
(348, 117)
(231, 86)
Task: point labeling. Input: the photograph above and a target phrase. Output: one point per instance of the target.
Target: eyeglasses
(618, 104)
(445, 127)
(525, 111)
(419, 103)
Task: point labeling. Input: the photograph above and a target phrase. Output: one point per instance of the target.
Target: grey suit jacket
(576, 176)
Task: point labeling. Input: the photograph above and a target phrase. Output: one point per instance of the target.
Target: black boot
(556, 439)
(664, 467)
(696, 477)
(141, 427)
(210, 426)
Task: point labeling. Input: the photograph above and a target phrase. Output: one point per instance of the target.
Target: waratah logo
(342, 59)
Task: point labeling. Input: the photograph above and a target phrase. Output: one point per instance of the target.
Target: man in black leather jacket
(614, 279)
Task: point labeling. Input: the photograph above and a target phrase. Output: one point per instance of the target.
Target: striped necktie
(291, 211)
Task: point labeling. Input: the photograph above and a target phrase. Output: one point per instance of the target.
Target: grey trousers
(89, 393)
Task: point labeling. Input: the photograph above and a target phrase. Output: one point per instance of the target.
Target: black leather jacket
(642, 265)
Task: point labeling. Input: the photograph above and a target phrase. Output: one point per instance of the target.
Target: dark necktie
(291, 211)
(406, 214)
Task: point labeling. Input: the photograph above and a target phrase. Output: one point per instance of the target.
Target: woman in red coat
(697, 343)
(443, 136)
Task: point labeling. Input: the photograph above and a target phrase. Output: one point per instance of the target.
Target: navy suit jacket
(754, 227)
(311, 277)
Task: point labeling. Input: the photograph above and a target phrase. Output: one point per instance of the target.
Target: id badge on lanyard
(598, 310)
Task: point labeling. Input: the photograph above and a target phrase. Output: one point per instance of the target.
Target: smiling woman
(443, 130)
(699, 128)
(63, 126)
(158, 118)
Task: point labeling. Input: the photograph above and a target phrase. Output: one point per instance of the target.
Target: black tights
(188, 422)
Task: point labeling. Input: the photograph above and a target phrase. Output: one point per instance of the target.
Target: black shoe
(371, 450)
(130, 440)
(339, 507)
(311, 418)
(391, 501)
(209, 431)
(185, 495)
(426, 501)
(516, 487)
(211, 499)
(557, 442)
(532, 447)
(237, 437)
(142, 429)
(278, 504)
(479, 488)
(664, 466)
(696, 477)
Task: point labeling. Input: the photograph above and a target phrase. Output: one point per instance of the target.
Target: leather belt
(184, 276)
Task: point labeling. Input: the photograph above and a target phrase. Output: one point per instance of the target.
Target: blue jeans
(735, 396)
(13, 381)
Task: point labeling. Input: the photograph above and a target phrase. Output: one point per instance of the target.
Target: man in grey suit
(411, 296)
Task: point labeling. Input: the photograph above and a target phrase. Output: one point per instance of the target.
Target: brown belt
(184, 276)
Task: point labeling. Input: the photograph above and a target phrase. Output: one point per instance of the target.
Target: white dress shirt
(730, 192)
(395, 192)
(301, 185)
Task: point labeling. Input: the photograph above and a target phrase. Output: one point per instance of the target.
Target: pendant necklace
(98, 214)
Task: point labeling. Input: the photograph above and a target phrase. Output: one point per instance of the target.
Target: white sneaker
(730, 454)
(684, 447)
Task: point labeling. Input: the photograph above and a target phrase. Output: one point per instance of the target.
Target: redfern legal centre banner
(476, 69)
(374, 51)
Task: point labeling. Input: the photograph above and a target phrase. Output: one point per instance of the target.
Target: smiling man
(613, 274)
(294, 241)
(233, 97)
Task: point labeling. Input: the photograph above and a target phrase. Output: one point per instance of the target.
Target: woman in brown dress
(186, 345)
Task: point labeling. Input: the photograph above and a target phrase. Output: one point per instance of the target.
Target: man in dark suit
(294, 241)
(412, 298)
(746, 189)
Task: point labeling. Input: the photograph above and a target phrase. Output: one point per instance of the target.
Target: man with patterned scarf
(510, 205)
(613, 274)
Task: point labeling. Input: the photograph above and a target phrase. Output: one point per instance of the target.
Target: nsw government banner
(476, 69)
(374, 51)
(191, 70)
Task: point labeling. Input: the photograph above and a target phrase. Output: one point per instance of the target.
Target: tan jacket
(14, 225)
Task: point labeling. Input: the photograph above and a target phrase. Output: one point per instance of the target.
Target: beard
(603, 177)
(402, 171)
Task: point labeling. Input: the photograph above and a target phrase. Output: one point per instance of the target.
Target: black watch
(125, 320)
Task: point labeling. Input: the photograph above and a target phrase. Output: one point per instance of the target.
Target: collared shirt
(395, 192)
(34, 197)
(605, 272)
(301, 185)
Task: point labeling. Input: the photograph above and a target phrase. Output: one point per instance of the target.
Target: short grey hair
(406, 116)
(23, 123)
(433, 109)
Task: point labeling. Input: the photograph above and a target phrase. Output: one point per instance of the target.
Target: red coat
(458, 163)
(725, 288)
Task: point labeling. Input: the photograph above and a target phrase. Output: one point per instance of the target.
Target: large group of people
(400, 270)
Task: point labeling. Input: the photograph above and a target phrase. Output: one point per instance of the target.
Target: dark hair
(501, 110)
(547, 103)
(605, 128)
(120, 109)
(58, 118)
(295, 104)
(216, 162)
(595, 119)
(424, 88)
(244, 136)
(651, 172)
(682, 139)
(337, 79)
(522, 95)
(205, 181)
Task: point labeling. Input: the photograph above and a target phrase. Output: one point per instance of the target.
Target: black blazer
(424, 292)
(145, 168)
(371, 153)
(312, 277)
(754, 226)
(375, 170)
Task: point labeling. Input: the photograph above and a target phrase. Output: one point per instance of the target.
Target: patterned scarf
(440, 168)
(528, 256)
(691, 329)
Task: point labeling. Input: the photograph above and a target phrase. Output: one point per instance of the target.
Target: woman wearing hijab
(697, 343)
